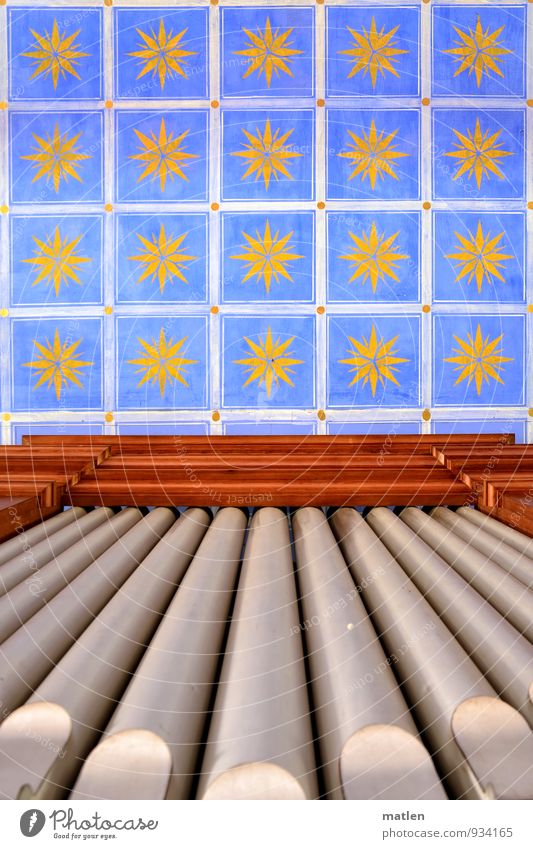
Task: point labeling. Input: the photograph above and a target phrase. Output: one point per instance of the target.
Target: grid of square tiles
(118, 111)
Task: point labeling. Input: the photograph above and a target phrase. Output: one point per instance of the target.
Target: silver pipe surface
(508, 595)
(25, 539)
(260, 739)
(150, 747)
(482, 747)
(74, 702)
(369, 744)
(521, 542)
(32, 651)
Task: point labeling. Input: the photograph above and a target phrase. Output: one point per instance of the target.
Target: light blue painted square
(33, 236)
(299, 123)
(387, 429)
(487, 425)
(26, 332)
(86, 83)
(55, 429)
(159, 127)
(403, 25)
(445, 374)
(295, 78)
(132, 79)
(506, 127)
(236, 226)
(448, 22)
(448, 226)
(130, 330)
(346, 258)
(247, 428)
(29, 131)
(150, 428)
(405, 329)
(301, 329)
(161, 231)
(402, 126)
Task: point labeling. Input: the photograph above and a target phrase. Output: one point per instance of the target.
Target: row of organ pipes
(287, 655)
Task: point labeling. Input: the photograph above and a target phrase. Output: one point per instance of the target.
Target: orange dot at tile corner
(426, 101)
(426, 205)
(215, 104)
(215, 416)
(215, 207)
(108, 104)
(530, 412)
(4, 312)
(4, 209)
(108, 207)
(6, 417)
(108, 310)
(321, 204)
(426, 415)
(214, 310)
(108, 417)
(426, 308)
(321, 102)
(529, 102)
(108, 2)
(529, 204)
(321, 310)
(214, 2)
(3, 104)
(321, 414)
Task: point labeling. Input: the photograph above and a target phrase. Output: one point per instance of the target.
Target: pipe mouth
(255, 781)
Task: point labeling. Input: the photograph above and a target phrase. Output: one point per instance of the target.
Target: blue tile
(479, 256)
(57, 428)
(251, 428)
(56, 157)
(282, 168)
(151, 428)
(373, 51)
(373, 257)
(151, 166)
(387, 429)
(357, 170)
(57, 364)
(162, 362)
(267, 256)
(487, 425)
(168, 251)
(478, 51)
(64, 251)
(478, 154)
(267, 51)
(174, 53)
(274, 355)
(55, 53)
(382, 354)
(478, 360)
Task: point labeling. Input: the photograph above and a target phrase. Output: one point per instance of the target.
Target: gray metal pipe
(482, 747)
(29, 596)
(260, 739)
(23, 565)
(500, 652)
(25, 539)
(515, 563)
(31, 652)
(508, 595)
(500, 530)
(73, 703)
(369, 744)
(150, 748)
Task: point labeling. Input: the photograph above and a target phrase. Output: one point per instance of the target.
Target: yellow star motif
(267, 154)
(479, 257)
(55, 54)
(57, 260)
(267, 256)
(59, 364)
(479, 152)
(373, 360)
(162, 53)
(56, 157)
(478, 359)
(270, 363)
(377, 257)
(162, 259)
(373, 52)
(161, 361)
(373, 155)
(478, 51)
(269, 52)
(162, 156)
